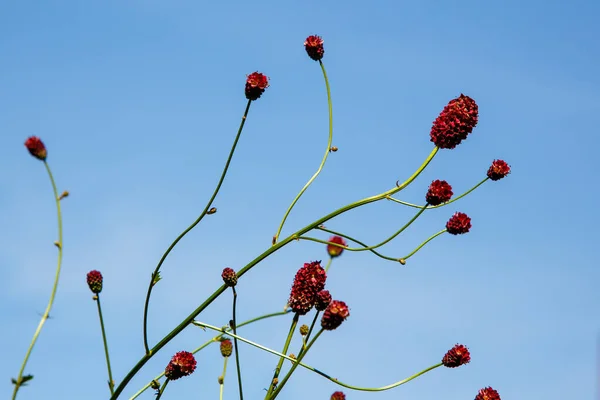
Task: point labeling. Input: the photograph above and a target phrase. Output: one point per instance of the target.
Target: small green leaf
(155, 278)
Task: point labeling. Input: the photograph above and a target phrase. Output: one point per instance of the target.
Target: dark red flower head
(334, 315)
(338, 396)
(182, 364)
(456, 356)
(439, 192)
(455, 122)
(458, 224)
(36, 147)
(256, 83)
(229, 277)
(226, 348)
(335, 251)
(498, 170)
(309, 280)
(94, 281)
(314, 47)
(323, 299)
(487, 394)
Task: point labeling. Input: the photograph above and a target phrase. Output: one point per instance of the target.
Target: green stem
(312, 325)
(111, 382)
(322, 228)
(328, 264)
(189, 228)
(286, 346)
(257, 260)
(59, 244)
(235, 344)
(323, 374)
(429, 239)
(440, 205)
(291, 371)
(327, 151)
(162, 389)
(213, 340)
(222, 383)
(422, 208)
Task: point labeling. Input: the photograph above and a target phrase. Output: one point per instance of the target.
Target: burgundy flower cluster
(334, 315)
(36, 148)
(182, 364)
(498, 170)
(458, 224)
(455, 122)
(309, 280)
(439, 192)
(226, 347)
(94, 281)
(456, 356)
(256, 83)
(229, 277)
(314, 47)
(336, 251)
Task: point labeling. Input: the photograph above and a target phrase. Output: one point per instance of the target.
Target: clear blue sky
(138, 103)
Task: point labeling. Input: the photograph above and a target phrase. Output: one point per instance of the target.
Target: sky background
(138, 103)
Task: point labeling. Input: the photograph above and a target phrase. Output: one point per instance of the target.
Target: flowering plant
(308, 291)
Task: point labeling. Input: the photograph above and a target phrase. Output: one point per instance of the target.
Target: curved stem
(213, 340)
(327, 151)
(429, 239)
(256, 261)
(284, 351)
(312, 325)
(189, 228)
(328, 264)
(291, 371)
(162, 390)
(440, 205)
(222, 378)
(235, 344)
(111, 382)
(322, 228)
(323, 374)
(20, 380)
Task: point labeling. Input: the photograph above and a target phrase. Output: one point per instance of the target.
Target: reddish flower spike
(458, 224)
(256, 83)
(338, 396)
(314, 47)
(439, 192)
(94, 281)
(323, 299)
(36, 147)
(335, 251)
(226, 348)
(456, 356)
(229, 277)
(182, 364)
(487, 394)
(498, 170)
(334, 315)
(455, 122)
(309, 280)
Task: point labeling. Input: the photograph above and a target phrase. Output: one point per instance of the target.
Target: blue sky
(138, 103)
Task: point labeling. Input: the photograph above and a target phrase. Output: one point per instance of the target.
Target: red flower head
(309, 280)
(94, 281)
(455, 122)
(338, 396)
(439, 192)
(314, 47)
(335, 251)
(498, 170)
(229, 277)
(456, 356)
(458, 224)
(182, 364)
(323, 299)
(226, 348)
(487, 394)
(256, 83)
(334, 315)
(36, 147)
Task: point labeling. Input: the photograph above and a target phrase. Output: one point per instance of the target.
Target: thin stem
(222, 378)
(291, 371)
(312, 325)
(189, 228)
(235, 344)
(440, 205)
(413, 219)
(285, 350)
(328, 263)
(256, 261)
(213, 340)
(162, 389)
(327, 151)
(323, 374)
(59, 244)
(111, 382)
(429, 239)
(322, 228)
